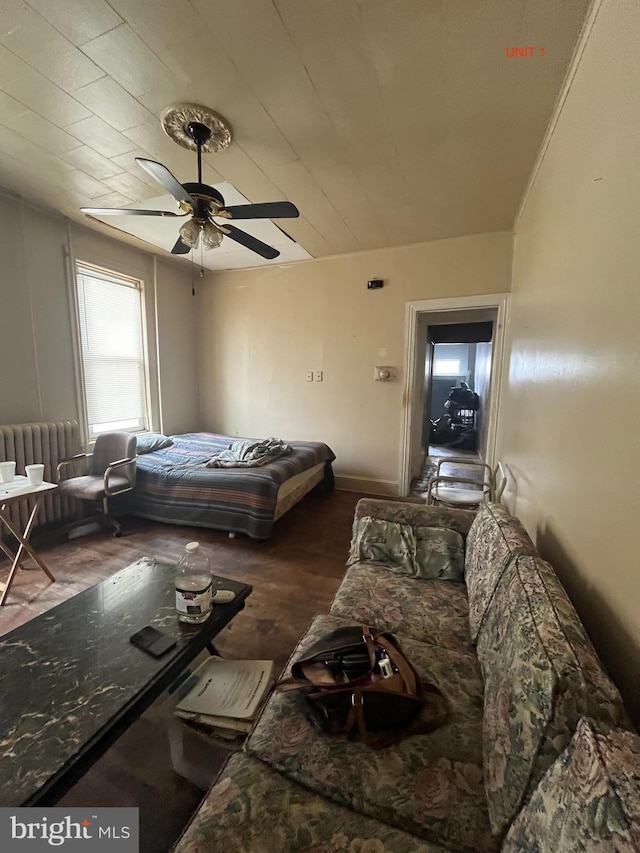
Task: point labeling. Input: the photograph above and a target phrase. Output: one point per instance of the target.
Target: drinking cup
(7, 471)
(35, 474)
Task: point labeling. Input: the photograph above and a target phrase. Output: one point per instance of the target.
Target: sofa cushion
(409, 549)
(494, 538)
(416, 514)
(433, 611)
(541, 675)
(430, 785)
(252, 807)
(588, 800)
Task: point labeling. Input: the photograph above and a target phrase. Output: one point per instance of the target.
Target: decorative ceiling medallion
(176, 118)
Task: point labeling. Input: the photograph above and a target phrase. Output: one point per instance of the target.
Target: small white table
(18, 489)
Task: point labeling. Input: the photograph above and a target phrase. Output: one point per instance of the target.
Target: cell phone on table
(152, 641)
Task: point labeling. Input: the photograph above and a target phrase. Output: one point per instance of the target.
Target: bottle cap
(192, 546)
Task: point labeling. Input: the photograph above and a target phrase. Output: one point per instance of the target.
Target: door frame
(499, 301)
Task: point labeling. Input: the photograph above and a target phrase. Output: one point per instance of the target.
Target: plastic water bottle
(193, 585)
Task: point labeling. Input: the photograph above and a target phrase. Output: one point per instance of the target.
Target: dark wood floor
(294, 576)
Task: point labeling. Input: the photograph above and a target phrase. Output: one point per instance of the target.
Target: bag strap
(368, 638)
(286, 684)
(356, 717)
(406, 670)
(414, 686)
(414, 689)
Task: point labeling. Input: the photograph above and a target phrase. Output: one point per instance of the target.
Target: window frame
(115, 276)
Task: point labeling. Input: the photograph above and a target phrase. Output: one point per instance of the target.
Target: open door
(428, 395)
(419, 361)
(418, 449)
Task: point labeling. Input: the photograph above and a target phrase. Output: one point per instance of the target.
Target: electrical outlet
(309, 375)
(317, 376)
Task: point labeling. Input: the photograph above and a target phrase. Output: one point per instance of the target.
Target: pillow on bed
(149, 441)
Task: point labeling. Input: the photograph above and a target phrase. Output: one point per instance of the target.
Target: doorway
(468, 333)
(457, 386)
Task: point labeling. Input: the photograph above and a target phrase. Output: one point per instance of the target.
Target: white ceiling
(386, 122)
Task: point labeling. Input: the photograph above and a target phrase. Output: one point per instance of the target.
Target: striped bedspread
(175, 486)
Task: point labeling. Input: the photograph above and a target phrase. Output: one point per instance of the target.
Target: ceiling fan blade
(266, 210)
(164, 177)
(249, 241)
(126, 211)
(180, 248)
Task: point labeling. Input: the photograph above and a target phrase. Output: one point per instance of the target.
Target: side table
(19, 489)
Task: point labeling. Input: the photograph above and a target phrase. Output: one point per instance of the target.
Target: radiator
(48, 442)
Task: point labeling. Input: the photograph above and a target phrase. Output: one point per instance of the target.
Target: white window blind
(113, 351)
(446, 367)
(450, 359)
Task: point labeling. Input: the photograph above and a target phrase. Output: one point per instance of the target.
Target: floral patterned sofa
(537, 754)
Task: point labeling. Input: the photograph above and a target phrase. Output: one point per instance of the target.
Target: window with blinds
(110, 314)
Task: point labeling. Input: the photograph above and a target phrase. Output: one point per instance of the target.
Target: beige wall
(262, 330)
(571, 409)
(177, 317)
(35, 343)
(37, 380)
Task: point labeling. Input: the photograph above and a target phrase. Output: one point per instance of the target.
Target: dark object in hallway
(462, 397)
(457, 427)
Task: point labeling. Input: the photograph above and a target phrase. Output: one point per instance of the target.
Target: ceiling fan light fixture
(190, 233)
(211, 236)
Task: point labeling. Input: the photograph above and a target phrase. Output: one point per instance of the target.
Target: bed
(173, 485)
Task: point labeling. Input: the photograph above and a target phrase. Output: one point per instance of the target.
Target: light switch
(309, 375)
(317, 376)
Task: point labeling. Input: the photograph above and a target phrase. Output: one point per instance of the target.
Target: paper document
(228, 688)
(231, 725)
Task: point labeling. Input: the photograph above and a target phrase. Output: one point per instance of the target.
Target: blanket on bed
(174, 484)
(249, 453)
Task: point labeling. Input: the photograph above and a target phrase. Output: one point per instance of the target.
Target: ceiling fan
(203, 204)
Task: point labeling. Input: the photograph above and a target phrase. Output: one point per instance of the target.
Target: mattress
(173, 485)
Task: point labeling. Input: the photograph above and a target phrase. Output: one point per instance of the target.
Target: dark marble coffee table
(71, 682)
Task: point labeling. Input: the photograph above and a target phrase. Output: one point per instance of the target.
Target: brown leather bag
(358, 679)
